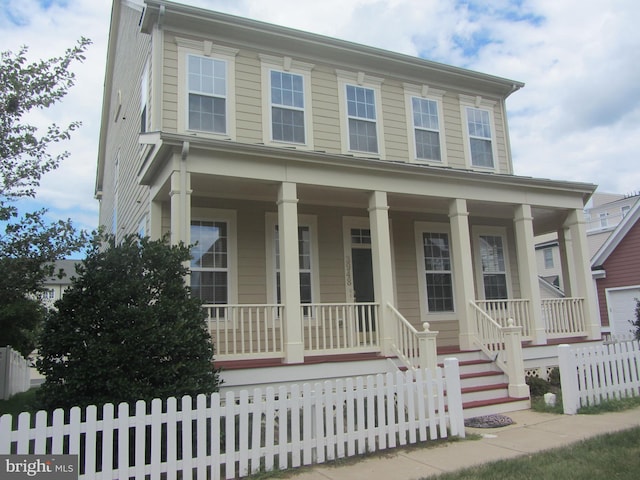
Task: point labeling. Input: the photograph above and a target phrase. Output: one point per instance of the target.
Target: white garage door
(622, 308)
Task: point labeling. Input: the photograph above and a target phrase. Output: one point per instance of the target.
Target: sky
(576, 119)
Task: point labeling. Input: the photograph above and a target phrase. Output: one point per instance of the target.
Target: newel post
(427, 348)
(515, 362)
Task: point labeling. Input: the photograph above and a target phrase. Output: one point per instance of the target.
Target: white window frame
(424, 92)
(310, 221)
(145, 117)
(604, 219)
(420, 228)
(271, 63)
(360, 79)
(479, 103)
(494, 232)
(230, 218)
(206, 49)
(549, 261)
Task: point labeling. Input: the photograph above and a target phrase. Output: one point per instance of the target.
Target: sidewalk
(531, 432)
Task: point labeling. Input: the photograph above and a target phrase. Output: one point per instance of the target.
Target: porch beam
(575, 224)
(290, 273)
(382, 267)
(528, 272)
(462, 271)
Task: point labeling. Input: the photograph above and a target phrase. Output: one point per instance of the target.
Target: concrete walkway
(531, 432)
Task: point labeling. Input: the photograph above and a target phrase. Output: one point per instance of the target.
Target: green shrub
(538, 386)
(554, 376)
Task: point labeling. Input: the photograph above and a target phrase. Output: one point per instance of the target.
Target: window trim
(230, 217)
(494, 232)
(424, 92)
(479, 103)
(421, 228)
(206, 49)
(360, 79)
(271, 63)
(310, 221)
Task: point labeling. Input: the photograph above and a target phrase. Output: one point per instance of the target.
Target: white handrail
(489, 335)
(406, 340)
(516, 309)
(564, 317)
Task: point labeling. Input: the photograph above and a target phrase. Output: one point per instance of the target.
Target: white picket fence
(15, 376)
(590, 375)
(234, 436)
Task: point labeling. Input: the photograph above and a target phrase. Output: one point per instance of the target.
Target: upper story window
(624, 210)
(361, 111)
(548, 257)
(360, 115)
(479, 130)
(286, 106)
(424, 122)
(206, 92)
(207, 86)
(604, 219)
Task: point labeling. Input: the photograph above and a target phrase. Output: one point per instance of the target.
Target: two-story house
(337, 196)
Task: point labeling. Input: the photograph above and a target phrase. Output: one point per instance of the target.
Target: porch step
(484, 392)
(507, 404)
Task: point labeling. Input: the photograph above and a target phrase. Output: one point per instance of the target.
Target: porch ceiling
(545, 219)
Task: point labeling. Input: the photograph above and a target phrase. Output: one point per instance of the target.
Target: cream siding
(395, 121)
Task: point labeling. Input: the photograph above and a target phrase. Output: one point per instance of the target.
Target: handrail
(405, 340)
(489, 336)
(517, 309)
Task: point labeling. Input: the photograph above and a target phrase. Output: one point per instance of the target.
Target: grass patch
(21, 402)
(611, 406)
(614, 455)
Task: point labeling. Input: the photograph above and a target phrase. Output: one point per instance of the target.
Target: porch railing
(564, 317)
(238, 331)
(340, 328)
(516, 309)
(415, 349)
(489, 335)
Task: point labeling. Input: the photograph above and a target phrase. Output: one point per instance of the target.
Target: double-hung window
(210, 261)
(437, 271)
(494, 267)
(426, 131)
(361, 113)
(304, 263)
(207, 97)
(287, 107)
(480, 138)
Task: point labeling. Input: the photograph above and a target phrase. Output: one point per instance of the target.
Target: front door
(363, 287)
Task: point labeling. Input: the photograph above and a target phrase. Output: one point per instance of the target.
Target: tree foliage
(126, 329)
(636, 322)
(28, 243)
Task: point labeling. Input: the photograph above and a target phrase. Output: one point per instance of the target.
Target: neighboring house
(334, 192)
(603, 214)
(55, 285)
(616, 270)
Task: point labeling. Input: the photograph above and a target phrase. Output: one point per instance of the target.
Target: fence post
(518, 387)
(428, 354)
(568, 379)
(454, 396)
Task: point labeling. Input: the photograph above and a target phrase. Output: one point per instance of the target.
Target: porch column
(290, 273)
(462, 271)
(180, 195)
(528, 272)
(566, 259)
(155, 220)
(583, 286)
(382, 267)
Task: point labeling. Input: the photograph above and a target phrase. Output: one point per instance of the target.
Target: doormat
(488, 421)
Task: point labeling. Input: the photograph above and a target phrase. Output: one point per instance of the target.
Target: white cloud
(578, 117)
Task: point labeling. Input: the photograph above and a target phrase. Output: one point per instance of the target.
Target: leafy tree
(28, 244)
(126, 329)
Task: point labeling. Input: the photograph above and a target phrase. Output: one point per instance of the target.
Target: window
(426, 129)
(361, 236)
(210, 262)
(304, 260)
(144, 99)
(494, 269)
(437, 267)
(480, 143)
(548, 257)
(625, 209)
(207, 86)
(603, 219)
(287, 111)
(361, 112)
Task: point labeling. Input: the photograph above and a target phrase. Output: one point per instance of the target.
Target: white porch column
(583, 286)
(566, 259)
(464, 292)
(155, 220)
(528, 272)
(290, 273)
(382, 266)
(180, 207)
